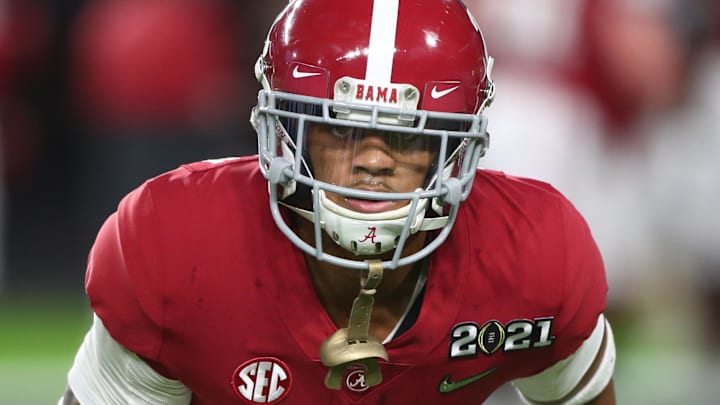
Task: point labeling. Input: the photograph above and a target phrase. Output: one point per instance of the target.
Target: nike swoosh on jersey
(446, 386)
(435, 93)
(297, 74)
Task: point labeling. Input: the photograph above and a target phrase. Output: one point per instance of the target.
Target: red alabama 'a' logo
(370, 236)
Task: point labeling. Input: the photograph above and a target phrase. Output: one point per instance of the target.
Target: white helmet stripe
(382, 41)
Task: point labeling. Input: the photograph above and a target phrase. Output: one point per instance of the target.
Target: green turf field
(38, 339)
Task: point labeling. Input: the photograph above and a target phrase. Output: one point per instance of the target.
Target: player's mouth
(370, 206)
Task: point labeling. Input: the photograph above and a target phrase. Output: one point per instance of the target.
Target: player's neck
(337, 287)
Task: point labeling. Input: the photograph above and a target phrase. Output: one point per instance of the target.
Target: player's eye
(393, 139)
(403, 137)
(341, 131)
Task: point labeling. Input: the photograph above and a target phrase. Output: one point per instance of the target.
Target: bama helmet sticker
(262, 380)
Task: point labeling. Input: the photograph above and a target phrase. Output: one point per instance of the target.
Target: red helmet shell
(438, 48)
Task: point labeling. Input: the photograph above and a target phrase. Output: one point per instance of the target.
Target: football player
(361, 256)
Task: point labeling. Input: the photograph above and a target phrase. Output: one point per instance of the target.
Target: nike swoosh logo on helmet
(446, 386)
(438, 94)
(297, 74)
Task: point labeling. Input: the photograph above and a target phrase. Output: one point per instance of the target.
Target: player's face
(370, 160)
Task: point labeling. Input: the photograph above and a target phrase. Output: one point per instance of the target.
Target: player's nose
(373, 155)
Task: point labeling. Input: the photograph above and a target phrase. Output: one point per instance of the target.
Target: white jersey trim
(559, 380)
(422, 280)
(106, 373)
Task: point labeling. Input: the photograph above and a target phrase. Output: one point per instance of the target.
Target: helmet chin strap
(368, 233)
(353, 345)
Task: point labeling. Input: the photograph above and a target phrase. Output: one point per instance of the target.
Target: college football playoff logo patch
(262, 380)
(492, 337)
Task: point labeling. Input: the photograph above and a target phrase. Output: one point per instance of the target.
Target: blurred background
(615, 102)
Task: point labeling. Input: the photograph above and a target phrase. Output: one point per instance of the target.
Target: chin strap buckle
(353, 345)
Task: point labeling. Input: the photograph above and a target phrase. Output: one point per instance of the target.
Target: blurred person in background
(2, 215)
(177, 108)
(25, 29)
(684, 170)
(244, 270)
(154, 84)
(662, 145)
(614, 102)
(56, 136)
(661, 137)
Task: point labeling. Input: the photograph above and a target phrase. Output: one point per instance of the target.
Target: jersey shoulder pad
(128, 301)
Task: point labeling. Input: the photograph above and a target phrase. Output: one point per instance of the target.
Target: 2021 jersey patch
(468, 338)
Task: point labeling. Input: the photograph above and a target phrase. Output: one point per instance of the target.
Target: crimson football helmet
(400, 69)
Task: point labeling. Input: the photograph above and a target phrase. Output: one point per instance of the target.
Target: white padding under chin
(558, 381)
(106, 373)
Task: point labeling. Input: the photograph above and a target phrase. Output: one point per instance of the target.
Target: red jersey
(193, 275)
